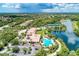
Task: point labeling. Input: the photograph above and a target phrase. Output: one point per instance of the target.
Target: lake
(70, 39)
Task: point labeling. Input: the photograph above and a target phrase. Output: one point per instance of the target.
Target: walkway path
(26, 23)
(5, 26)
(3, 51)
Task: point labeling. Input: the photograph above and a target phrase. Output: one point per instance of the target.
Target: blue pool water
(47, 42)
(70, 39)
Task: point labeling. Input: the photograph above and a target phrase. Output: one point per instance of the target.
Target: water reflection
(71, 40)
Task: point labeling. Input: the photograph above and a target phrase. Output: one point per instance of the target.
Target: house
(35, 38)
(31, 34)
(31, 31)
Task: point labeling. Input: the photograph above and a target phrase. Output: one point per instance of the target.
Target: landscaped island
(38, 34)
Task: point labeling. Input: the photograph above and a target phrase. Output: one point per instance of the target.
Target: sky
(39, 7)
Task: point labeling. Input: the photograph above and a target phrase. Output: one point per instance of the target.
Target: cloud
(9, 5)
(67, 7)
(40, 7)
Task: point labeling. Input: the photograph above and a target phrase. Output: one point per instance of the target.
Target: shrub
(77, 51)
(41, 52)
(30, 49)
(29, 52)
(72, 53)
(15, 49)
(15, 42)
(1, 46)
(4, 54)
(25, 50)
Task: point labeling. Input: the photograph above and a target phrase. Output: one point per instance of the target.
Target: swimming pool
(47, 42)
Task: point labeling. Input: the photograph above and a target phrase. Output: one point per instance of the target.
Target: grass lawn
(42, 32)
(75, 25)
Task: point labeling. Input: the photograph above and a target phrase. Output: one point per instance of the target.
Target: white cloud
(11, 6)
(63, 8)
(56, 7)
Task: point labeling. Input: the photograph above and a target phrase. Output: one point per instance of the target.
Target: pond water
(70, 39)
